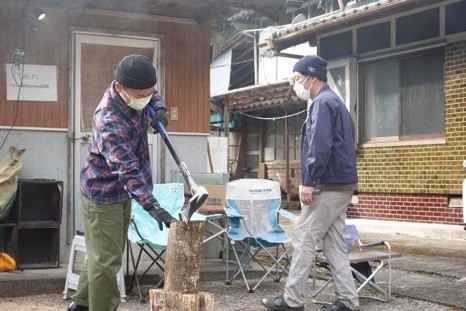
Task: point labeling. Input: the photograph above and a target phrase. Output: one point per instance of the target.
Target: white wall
(46, 157)
(220, 73)
(281, 68)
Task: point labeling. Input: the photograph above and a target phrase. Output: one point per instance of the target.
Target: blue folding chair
(253, 228)
(361, 260)
(144, 230)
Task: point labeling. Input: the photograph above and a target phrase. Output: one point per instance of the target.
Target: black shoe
(336, 306)
(279, 304)
(74, 307)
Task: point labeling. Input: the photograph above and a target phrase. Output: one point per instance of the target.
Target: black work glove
(160, 215)
(162, 116)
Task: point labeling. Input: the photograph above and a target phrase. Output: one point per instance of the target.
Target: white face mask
(301, 91)
(138, 103)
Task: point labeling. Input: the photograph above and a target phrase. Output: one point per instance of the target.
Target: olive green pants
(105, 231)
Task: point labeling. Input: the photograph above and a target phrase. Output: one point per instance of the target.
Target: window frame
(420, 139)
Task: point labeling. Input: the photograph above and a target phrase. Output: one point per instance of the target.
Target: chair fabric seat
(364, 256)
(252, 215)
(145, 233)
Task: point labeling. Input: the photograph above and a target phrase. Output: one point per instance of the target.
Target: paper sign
(38, 83)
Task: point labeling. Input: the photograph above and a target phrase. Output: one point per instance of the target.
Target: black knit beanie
(136, 72)
(312, 65)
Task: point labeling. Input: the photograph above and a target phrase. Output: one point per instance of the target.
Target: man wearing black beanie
(328, 180)
(116, 171)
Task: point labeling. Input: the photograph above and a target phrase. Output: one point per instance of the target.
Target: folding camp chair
(253, 206)
(144, 231)
(361, 261)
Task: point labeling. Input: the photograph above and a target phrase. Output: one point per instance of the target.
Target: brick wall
(407, 207)
(426, 172)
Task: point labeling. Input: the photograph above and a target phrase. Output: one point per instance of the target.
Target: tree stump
(182, 267)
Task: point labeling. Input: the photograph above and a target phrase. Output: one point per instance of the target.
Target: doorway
(95, 56)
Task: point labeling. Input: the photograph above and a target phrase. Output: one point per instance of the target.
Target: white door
(95, 57)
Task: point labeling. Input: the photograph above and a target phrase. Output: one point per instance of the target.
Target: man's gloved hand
(162, 116)
(160, 215)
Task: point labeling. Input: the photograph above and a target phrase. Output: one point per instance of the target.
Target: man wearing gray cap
(328, 180)
(116, 171)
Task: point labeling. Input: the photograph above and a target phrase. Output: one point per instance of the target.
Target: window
(275, 138)
(374, 37)
(251, 158)
(403, 97)
(337, 80)
(275, 143)
(338, 45)
(408, 28)
(454, 20)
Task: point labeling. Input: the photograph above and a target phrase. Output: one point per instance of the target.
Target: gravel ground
(227, 298)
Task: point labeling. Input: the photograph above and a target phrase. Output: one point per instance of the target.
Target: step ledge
(454, 232)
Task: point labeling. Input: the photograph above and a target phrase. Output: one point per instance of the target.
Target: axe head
(199, 195)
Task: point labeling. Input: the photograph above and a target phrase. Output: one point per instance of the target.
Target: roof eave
(308, 30)
(257, 97)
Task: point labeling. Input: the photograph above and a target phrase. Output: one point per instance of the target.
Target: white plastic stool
(79, 245)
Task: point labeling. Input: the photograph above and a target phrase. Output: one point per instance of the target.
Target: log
(162, 300)
(182, 267)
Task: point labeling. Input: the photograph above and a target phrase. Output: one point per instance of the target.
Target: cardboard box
(216, 201)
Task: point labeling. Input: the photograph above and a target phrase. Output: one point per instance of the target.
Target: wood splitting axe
(199, 193)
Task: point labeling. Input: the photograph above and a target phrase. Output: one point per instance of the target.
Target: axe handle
(181, 165)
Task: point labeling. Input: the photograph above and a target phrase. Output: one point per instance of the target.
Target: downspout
(226, 130)
(287, 158)
(226, 118)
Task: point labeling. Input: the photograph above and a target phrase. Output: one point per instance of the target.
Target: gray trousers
(321, 224)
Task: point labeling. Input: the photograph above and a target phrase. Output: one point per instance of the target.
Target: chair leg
(240, 269)
(276, 265)
(276, 271)
(240, 265)
(369, 281)
(316, 292)
(135, 272)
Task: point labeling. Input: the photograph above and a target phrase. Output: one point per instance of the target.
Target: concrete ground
(431, 275)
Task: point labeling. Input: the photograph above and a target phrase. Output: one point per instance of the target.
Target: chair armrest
(288, 215)
(211, 217)
(373, 244)
(200, 217)
(231, 213)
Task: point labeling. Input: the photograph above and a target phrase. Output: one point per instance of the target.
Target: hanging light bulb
(38, 14)
(33, 17)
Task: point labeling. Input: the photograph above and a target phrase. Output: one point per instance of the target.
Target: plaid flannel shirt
(118, 165)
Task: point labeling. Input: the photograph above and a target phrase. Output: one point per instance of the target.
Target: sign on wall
(38, 83)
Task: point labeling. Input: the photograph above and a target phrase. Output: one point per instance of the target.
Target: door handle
(85, 137)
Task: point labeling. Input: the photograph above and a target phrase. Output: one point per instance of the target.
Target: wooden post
(183, 260)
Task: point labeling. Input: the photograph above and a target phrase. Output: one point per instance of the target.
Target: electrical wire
(232, 64)
(19, 63)
(20, 44)
(271, 118)
(20, 85)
